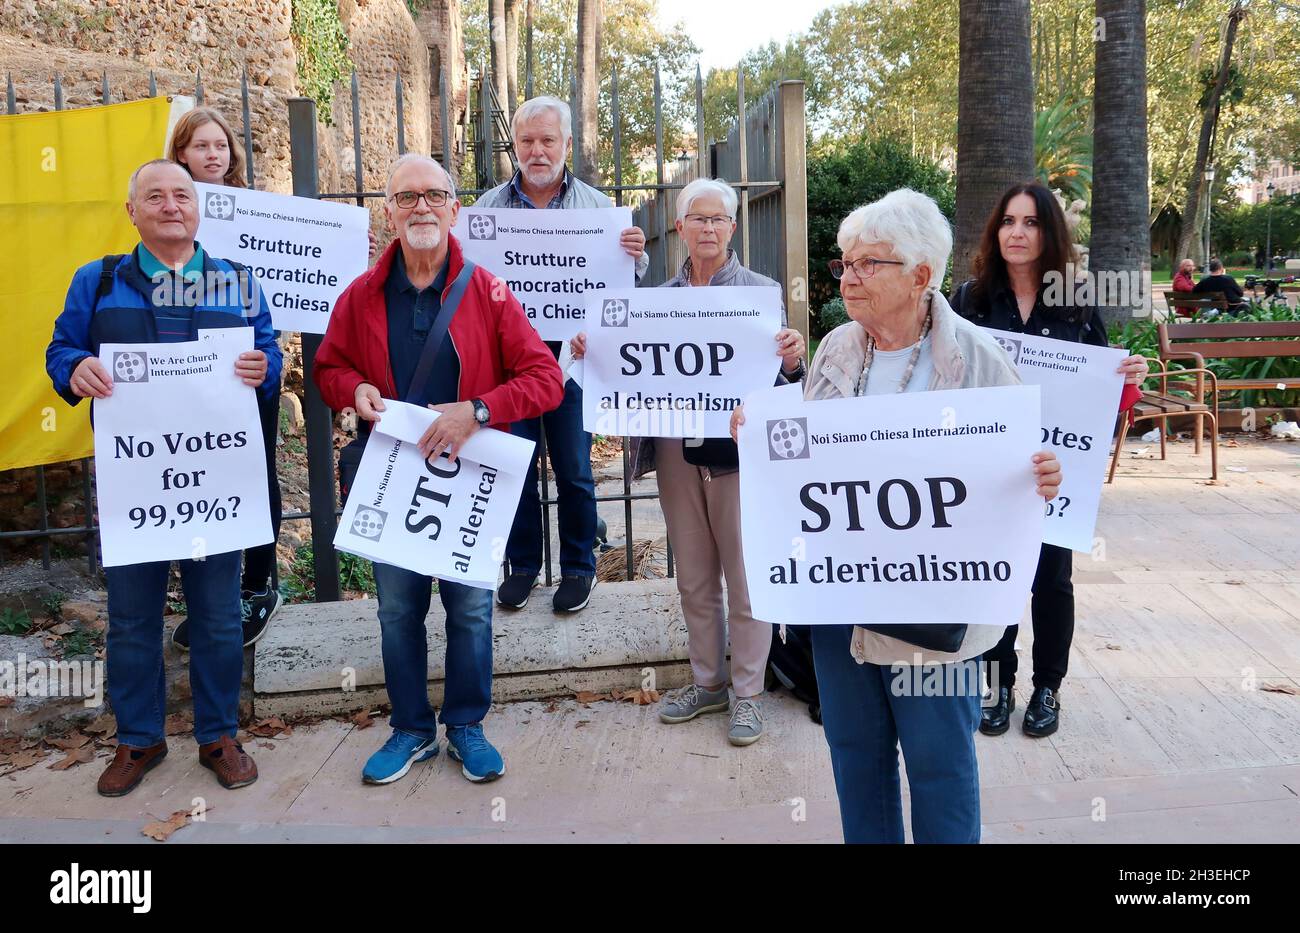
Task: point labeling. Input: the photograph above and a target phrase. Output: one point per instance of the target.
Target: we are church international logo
(482, 227)
(219, 206)
(787, 439)
(129, 366)
(369, 523)
(613, 313)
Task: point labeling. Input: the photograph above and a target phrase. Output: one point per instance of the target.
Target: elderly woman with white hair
(902, 336)
(699, 490)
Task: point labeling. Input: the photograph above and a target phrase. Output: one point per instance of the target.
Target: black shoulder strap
(107, 268)
(438, 332)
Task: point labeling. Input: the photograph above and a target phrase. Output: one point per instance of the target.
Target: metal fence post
(792, 169)
(319, 420)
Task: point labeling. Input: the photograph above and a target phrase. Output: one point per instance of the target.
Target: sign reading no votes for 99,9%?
(180, 469)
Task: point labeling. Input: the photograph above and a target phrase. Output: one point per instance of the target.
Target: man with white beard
(428, 327)
(542, 129)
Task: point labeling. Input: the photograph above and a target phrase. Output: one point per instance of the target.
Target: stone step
(325, 658)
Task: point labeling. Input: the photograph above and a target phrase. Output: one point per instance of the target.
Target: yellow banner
(63, 180)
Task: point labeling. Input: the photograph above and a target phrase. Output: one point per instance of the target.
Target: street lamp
(1268, 240)
(1209, 208)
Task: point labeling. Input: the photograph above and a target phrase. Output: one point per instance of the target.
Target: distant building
(1285, 179)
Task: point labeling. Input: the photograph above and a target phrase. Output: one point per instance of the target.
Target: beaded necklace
(861, 387)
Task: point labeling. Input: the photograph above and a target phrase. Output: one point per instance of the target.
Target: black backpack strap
(438, 332)
(107, 269)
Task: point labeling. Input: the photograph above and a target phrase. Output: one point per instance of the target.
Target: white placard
(180, 469)
(675, 362)
(442, 519)
(1081, 391)
(302, 252)
(550, 258)
(917, 507)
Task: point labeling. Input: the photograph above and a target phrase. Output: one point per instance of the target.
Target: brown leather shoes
(232, 765)
(128, 768)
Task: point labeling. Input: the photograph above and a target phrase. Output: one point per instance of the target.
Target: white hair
(909, 222)
(131, 184)
(413, 157)
(703, 188)
(536, 107)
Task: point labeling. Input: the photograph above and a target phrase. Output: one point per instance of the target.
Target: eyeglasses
(862, 268)
(701, 221)
(408, 199)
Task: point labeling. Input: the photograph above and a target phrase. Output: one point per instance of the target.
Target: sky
(727, 29)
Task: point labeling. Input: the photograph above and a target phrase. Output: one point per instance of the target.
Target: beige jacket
(965, 356)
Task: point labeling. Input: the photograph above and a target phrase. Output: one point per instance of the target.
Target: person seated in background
(1219, 281)
(1183, 281)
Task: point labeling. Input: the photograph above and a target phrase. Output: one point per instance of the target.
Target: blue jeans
(404, 598)
(569, 448)
(137, 685)
(866, 722)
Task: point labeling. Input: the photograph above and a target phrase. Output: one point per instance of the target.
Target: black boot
(996, 719)
(1043, 714)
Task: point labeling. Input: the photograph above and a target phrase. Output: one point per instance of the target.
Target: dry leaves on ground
(590, 696)
(640, 696)
(76, 756)
(17, 754)
(270, 728)
(104, 726)
(363, 719)
(178, 724)
(74, 740)
(161, 830)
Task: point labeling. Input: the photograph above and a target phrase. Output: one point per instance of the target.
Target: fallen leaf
(266, 745)
(75, 740)
(63, 628)
(1113, 647)
(105, 725)
(161, 830)
(270, 728)
(640, 697)
(24, 759)
(77, 756)
(582, 722)
(1280, 688)
(590, 696)
(362, 720)
(177, 724)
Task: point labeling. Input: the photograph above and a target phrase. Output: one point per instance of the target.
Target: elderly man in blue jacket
(165, 291)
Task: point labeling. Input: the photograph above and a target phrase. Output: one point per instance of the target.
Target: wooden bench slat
(1234, 329)
(1238, 349)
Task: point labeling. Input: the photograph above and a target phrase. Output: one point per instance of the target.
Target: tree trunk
(500, 84)
(1121, 235)
(513, 8)
(588, 86)
(995, 116)
(1205, 146)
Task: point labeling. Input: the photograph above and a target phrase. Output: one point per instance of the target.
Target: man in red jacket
(491, 368)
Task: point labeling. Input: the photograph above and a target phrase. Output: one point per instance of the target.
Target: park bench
(1187, 304)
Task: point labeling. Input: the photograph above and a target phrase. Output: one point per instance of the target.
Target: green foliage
(832, 315)
(1063, 148)
(298, 583)
(322, 48)
(14, 621)
(844, 176)
(1245, 227)
(78, 643)
(53, 604)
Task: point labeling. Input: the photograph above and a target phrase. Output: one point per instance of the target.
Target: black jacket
(999, 311)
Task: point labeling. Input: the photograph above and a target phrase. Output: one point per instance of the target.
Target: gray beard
(424, 236)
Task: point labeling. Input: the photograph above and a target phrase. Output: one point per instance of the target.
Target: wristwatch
(481, 414)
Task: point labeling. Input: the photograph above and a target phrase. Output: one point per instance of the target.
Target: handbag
(946, 637)
(350, 455)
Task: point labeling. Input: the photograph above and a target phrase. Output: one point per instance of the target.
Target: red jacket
(502, 360)
(1183, 282)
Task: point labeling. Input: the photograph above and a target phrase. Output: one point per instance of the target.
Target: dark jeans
(1052, 611)
(259, 562)
(137, 683)
(868, 712)
(569, 448)
(404, 598)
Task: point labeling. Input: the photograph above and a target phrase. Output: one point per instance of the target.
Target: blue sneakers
(479, 760)
(396, 757)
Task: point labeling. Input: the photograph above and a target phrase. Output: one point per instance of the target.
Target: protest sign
(675, 362)
(1081, 390)
(180, 469)
(302, 252)
(439, 518)
(550, 258)
(917, 507)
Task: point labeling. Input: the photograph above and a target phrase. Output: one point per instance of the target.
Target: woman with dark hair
(1024, 268)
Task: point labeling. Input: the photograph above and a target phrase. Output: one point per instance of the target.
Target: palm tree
(1063, 148)
(995, 115)
(588, 86)
(1121, 235)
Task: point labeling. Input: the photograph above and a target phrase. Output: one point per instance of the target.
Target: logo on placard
(787, 439)
(1011, 345)
(129, 366)
(482, 227)
(219, 206)
(613, 313)
(369, 523)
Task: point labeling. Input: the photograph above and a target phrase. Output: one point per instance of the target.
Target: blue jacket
(126, 315)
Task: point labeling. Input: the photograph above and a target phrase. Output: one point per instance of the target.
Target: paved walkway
(1181, 721)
